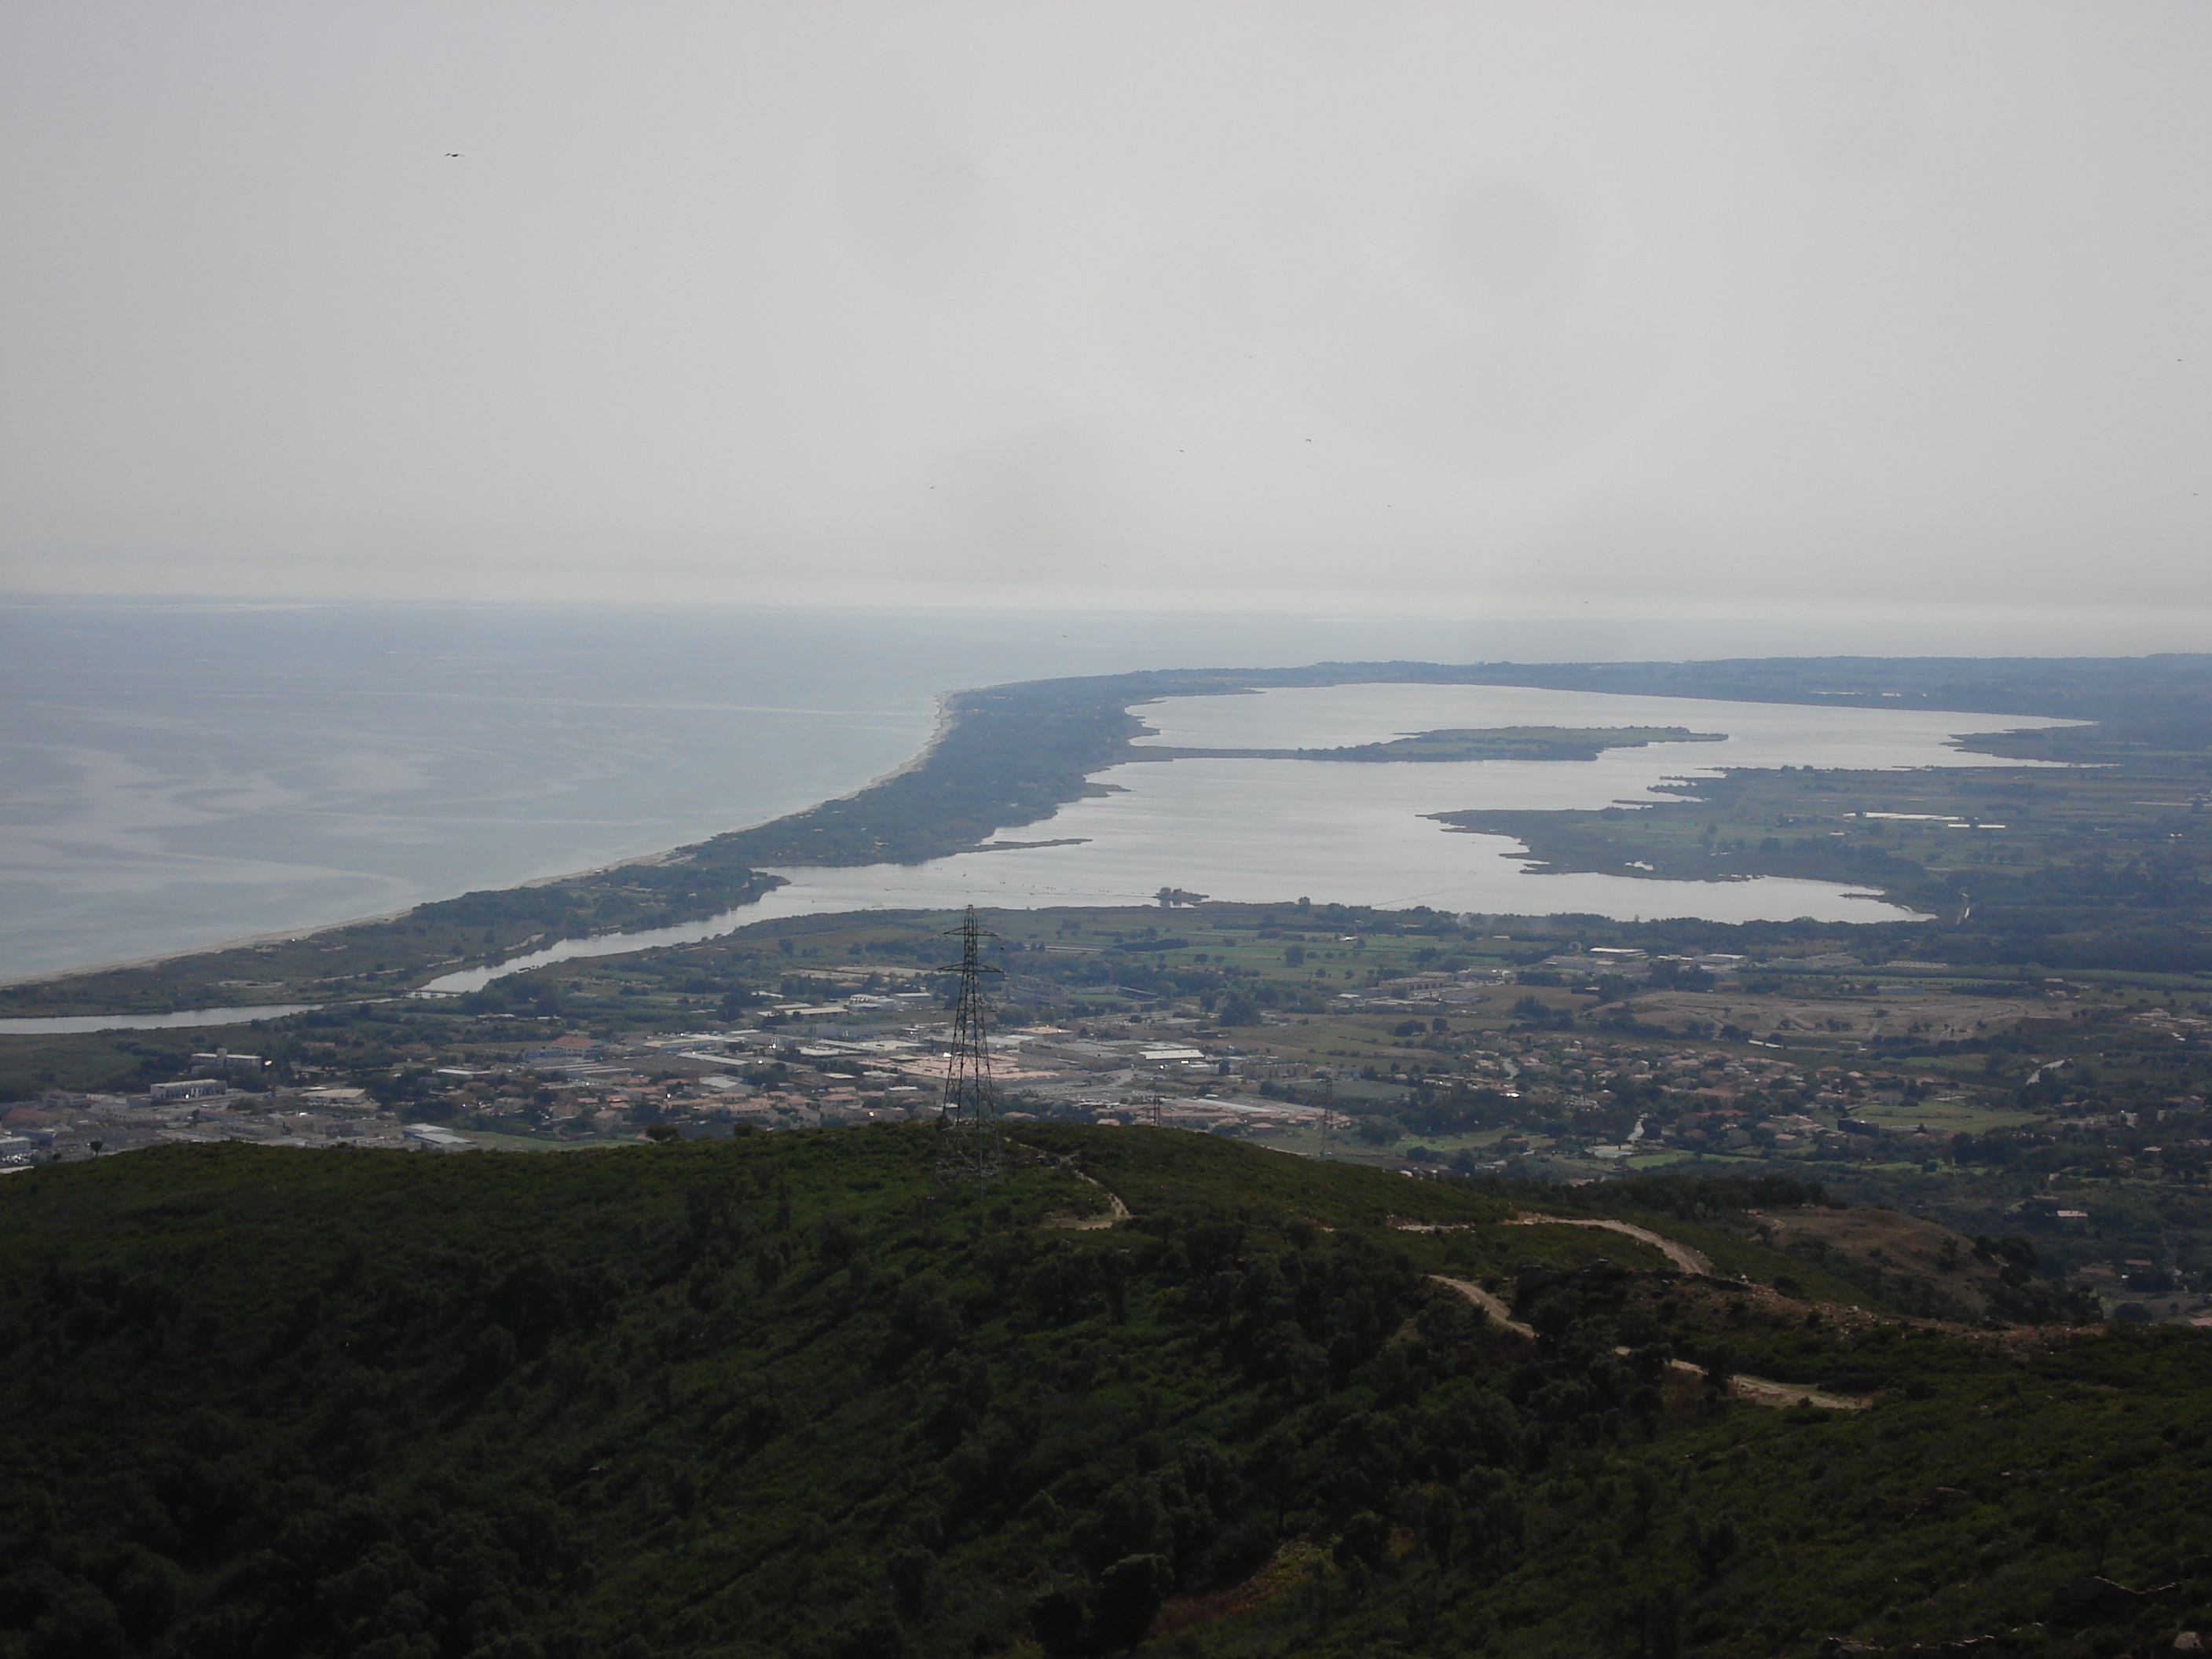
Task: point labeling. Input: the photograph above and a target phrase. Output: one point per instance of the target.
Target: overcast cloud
(1535, 309)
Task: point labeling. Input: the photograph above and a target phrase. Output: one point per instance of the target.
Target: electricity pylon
(968, 1142)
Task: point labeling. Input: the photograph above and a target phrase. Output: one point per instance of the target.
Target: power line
(968, 1146)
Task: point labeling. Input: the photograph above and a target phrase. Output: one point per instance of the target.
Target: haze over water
(1744, 332)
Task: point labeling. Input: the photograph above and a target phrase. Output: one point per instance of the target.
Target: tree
(1057, 1618)
(1130, 1596)
(1366, 1539)
(913, 1575)
(1440, 1524)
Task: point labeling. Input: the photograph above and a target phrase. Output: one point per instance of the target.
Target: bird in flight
(452, 155)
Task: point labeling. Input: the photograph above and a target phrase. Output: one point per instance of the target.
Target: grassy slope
(773, 1396)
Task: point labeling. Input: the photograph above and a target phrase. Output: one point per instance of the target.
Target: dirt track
(1490, 1304)
(1753, 1391)
(1689, 1260)
(1084, 1223)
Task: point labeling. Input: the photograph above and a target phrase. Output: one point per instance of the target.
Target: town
(2067, 1112)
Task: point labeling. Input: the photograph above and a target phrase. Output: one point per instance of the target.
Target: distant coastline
(1000, 758)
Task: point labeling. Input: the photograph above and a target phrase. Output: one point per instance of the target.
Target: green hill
(780, 1395)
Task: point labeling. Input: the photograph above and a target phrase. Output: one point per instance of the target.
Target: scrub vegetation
(779, 1395)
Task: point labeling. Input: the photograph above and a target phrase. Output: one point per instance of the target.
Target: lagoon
(183, 1019)
(1265, 831)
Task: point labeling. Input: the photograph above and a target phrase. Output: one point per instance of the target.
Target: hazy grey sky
(1542, 310)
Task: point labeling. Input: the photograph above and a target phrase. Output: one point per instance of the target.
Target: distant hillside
(780, 1395)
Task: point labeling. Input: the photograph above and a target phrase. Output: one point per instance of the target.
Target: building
(567, 1049)
(222, 1062)
(1167, 1058)
(187, 1088)
(434, 1137)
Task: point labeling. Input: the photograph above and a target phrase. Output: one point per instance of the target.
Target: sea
(176, 776)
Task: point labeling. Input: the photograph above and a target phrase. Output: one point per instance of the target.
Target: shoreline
(947, 718)
(280, 936)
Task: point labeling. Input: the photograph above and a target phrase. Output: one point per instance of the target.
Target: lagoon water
(1265, 831)
(183, 1020)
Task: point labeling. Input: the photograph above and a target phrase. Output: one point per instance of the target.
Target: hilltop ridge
(778, 1394)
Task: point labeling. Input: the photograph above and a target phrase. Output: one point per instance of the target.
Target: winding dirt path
(1087, 1224)
(1760, 1391)
(1752, 1390)
(1689, 1260)
(1490, 1304)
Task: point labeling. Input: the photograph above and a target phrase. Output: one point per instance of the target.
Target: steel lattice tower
(967, 1144)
